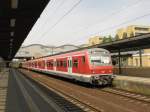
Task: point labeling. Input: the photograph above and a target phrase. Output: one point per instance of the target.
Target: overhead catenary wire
(107, 17)
(115, 26)
(60, 19)
(102, 19)
(50, 17)
(54, 12)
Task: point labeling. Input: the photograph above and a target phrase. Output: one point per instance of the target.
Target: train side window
(54, 63)
(61, 63)
(48, 64)
(75, 63)
(57, 63)
(83, 59)
(64, 63)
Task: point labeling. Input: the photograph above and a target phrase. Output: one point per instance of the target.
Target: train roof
(76, 50)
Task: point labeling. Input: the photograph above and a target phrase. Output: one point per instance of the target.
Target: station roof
(128, 44)
(17, 17)
(124, 45)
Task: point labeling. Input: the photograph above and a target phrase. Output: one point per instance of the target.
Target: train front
(101, 68)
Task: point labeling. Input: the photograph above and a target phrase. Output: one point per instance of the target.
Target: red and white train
(92, 66)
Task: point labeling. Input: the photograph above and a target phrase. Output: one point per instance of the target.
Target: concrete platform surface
(133, 84)
(3, 89)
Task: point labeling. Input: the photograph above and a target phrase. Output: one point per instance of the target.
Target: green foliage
(107, 39)
(116, 37)
(124, 35)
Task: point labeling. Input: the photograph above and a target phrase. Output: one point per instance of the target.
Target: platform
(133, 84)
(20, 94)
(3, 89)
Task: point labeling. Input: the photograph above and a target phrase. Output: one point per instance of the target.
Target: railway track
(92, 99)
(139, 97)
(85, 106)
(81, 104)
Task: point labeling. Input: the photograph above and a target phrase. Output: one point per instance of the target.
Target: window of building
(141, 29)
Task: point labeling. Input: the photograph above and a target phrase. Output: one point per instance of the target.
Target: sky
(75, 21)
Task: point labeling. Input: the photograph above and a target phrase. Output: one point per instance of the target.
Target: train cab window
(83, 59)
(75, 63)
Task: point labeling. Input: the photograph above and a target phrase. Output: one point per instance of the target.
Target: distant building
(83, 45)
(95, 40)
(131, 31)
(135, 30)
(37, 50)
(121, 33)
(135, 60)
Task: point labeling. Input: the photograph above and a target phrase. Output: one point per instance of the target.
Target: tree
(110, 38)
(104, 39)
(117, 37)
(124, 35)
(107, 39)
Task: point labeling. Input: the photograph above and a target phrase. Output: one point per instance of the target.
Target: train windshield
(100, 58)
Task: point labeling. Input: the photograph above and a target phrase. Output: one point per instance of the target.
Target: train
(93, 66)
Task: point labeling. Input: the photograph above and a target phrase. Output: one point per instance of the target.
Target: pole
(140, 54)
(119, 56)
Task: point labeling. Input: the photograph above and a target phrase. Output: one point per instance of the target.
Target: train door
(75, 65)
(82, 64)
(70, 65)
(54, 64)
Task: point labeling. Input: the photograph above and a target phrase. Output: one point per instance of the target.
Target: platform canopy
(17, 17)
(128, 44)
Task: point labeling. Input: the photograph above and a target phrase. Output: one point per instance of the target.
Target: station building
(131, 31)
(134, 59)
(95, 40)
